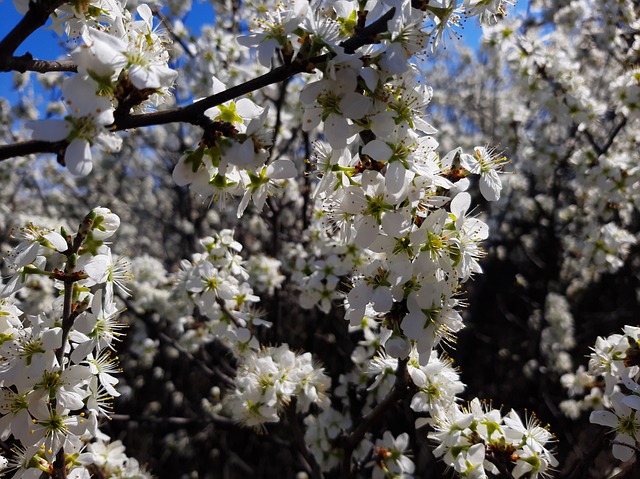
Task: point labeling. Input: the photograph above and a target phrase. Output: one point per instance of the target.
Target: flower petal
(78, 157)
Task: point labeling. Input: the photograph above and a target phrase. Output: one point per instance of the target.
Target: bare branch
(36, 17)
(32, 146)
(174, 420)
(351, 441)
(26, 63)
(298, 440)
(163, 19)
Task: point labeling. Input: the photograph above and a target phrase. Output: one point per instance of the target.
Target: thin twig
(174, 420)
(69, 277)
(351, 441)
(234, 319)
(613, 134)
(298, 440)
(210, 370)
(169, 27)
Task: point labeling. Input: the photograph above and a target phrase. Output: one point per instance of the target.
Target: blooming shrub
(277, 284)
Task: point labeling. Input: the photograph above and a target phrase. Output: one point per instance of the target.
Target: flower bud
(397, 347)
(105, 224)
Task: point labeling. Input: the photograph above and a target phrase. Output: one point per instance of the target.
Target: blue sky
(44, 44)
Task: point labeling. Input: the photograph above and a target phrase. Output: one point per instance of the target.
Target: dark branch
(35, 18)
(194, 113)
(298, 440)
(613, 134)
(592, 142)
(173, 420)
(351, 441)
(33, 146)
(26, 63)
(601, 150)
(368, 35)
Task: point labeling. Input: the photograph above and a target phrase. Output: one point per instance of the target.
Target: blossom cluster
(57, 368)
(393, 238)
(122, 67)
(230, 158)
(476, 440)
(267, 382)
(610, 389)
(317, 273)
(390, 457)
(438, 383)
(215, 284)
(383, 187)
(267, 378)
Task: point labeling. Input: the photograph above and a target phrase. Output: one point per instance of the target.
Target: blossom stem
(59, 465)
(298, 437)
(67, 319)
(351, 441)
(70, 278)
(228, 313)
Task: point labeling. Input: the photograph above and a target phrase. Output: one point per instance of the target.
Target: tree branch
(26, 63)
(351, 441)
(298, 440)
(174, 420)
(36, 17)
(601, 150)
(210, 370)
(30, 147)
(194, 113)
(613, 134)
